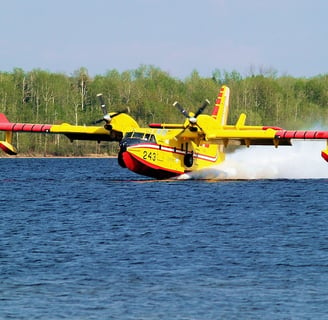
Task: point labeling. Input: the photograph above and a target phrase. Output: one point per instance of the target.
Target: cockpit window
(140, 135)
(152, 138)
(128, 135)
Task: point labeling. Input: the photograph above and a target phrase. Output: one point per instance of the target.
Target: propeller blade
(98, 121)
(202, 108)
(181, 109)
(108, 117)
(102, 103)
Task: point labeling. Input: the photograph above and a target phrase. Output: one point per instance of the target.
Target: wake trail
(301, 161)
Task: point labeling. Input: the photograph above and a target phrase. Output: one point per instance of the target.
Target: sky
(288, 37)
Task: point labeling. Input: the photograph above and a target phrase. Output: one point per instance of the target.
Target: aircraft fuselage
(153, 153)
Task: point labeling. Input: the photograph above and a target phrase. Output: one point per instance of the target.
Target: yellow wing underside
(209, 130)
(118, 126)
(82, 132)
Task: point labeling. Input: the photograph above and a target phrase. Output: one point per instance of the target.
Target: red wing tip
(324, 154)
(8, 148)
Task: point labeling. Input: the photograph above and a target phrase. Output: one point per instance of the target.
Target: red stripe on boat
(140, 166)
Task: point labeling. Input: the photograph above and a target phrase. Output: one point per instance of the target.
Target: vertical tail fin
(221, 108)
(3, 118)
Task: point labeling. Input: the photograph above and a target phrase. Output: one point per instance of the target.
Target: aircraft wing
(71, 131)
(261, 135)
(242, 134)
(247, 137)
(115, 131)
(266, 136)
(208, 130)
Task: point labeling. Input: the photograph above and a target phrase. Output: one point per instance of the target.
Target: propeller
(202, 108)
(102, 103)
(108, 117)
(181, 109)
(189, 115)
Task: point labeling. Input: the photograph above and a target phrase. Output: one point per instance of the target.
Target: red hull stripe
(175, 150)
(140, 166)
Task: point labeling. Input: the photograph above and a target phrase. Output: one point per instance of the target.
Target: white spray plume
(301, 161)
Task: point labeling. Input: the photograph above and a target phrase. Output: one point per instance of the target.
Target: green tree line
(39, 96)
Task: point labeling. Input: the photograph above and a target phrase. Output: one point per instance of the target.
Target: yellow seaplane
(164, 151)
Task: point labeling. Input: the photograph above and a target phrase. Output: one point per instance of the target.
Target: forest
(40, 96)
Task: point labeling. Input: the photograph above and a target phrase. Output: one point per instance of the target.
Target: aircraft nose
(123, 146)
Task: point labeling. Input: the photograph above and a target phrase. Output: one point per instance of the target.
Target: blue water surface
(85, 239)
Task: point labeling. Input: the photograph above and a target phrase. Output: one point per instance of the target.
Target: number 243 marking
(149, 155)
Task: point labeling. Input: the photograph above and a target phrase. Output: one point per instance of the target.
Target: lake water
(85, 239)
